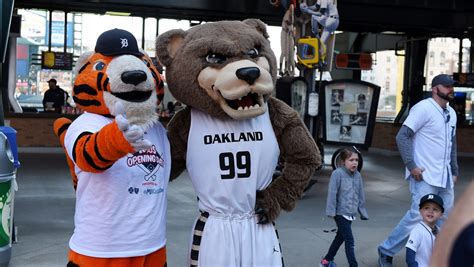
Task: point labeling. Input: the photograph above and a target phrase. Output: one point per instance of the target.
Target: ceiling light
(117, 13)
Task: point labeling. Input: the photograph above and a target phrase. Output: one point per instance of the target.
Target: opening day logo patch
(148, 160)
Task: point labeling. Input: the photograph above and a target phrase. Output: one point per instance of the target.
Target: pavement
(44, 210)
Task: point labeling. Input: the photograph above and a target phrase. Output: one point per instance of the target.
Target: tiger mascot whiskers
(118, 155)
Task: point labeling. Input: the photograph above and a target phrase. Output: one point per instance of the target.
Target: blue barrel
(10, 133)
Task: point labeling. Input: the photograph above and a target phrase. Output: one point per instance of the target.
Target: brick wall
(38, 132)
(384, 136)
(34, 132)
(385, 132)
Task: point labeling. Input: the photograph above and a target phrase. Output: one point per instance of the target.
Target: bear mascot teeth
(119, 156)
(230, 137)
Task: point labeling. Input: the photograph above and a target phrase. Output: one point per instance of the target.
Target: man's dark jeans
(343, 235)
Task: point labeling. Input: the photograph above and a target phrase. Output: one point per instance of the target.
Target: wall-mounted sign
(56, 60)
(293, 91)
(349, 108)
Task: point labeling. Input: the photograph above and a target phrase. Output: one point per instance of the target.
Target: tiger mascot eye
(118, 155)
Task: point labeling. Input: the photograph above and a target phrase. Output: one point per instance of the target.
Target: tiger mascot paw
(133, 133)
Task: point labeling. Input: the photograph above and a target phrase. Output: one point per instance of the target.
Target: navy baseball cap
(117, 42)
(432, 198)
(443, 79)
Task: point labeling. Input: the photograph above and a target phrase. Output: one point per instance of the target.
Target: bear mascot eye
(253, 53)
(215, 58)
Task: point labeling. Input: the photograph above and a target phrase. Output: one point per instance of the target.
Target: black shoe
(384, 260)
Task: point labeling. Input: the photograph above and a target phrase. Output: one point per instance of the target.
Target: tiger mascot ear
(81, 61)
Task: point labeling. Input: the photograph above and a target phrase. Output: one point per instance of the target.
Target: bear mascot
(230, 138)
(119, 157)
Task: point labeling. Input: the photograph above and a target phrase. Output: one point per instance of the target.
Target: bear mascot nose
(249, 74)
(133, 77)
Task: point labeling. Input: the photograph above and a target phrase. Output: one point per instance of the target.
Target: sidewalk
(44, 210)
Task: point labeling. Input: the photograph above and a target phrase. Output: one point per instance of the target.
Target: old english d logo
(124, 42)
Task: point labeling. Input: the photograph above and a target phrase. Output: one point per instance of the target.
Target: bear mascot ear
(259, 25)
(168, 44)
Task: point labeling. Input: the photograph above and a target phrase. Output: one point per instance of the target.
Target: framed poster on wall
(349, 108)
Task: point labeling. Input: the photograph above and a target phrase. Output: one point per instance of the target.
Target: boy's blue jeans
(399, 235)
(343, 235)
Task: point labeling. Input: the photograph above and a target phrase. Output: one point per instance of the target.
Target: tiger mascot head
(118, 71)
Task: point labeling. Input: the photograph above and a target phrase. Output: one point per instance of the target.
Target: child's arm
(362, 210)
(410, 258)
(333, 187)
(412, 246)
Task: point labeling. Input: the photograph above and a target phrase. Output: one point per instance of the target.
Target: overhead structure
(428, 18)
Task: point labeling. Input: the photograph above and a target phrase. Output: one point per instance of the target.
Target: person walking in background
(422, 238)
(55, 97)
(345, 199)
(427, 145)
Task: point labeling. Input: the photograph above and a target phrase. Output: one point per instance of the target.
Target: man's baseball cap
(443, 79)
(117, 42)
(52, 80)
(432, 198)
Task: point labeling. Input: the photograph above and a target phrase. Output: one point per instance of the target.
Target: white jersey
(422, 241)
(432, 142)
(228, 161)
(121, 212)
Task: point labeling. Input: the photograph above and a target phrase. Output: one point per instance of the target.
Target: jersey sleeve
(413, 242)
(417, 117)
(94, 143)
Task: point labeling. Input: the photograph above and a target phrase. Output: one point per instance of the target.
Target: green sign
(5, 211)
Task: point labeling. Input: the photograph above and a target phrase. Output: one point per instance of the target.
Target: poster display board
(349, 108)
(293, 91)
(56, 60)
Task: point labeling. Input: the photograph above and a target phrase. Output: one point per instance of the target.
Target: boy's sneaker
(384, 260)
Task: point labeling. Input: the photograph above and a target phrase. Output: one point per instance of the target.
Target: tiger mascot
(119, 157)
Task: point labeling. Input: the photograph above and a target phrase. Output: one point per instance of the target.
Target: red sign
(354, 61)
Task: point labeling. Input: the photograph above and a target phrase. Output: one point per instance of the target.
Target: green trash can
(7, 185)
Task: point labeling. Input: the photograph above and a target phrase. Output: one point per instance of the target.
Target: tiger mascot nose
(133, 77)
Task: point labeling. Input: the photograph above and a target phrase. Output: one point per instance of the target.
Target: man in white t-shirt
(427, 145)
